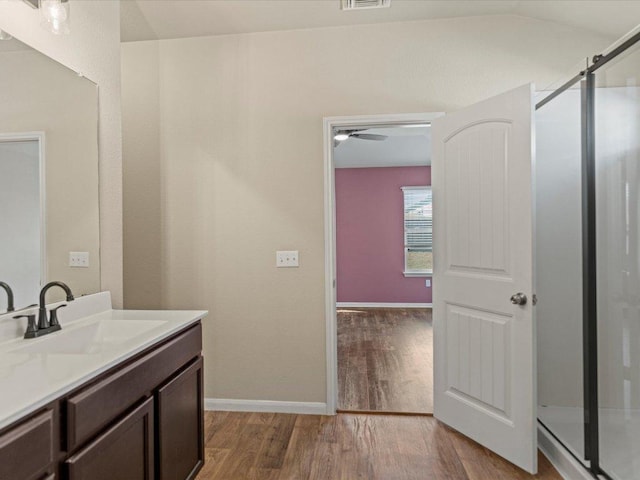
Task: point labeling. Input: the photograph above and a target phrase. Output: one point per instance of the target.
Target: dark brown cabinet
(92, 408)
(124, 451)
(180, 425)
(27, 450)
(141, 420)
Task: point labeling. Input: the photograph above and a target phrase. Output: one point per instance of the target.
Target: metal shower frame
(587, 79)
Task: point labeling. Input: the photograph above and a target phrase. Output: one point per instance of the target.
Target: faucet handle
(32, 330)
(53, 315)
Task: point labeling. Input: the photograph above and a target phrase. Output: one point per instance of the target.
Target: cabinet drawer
(26, 451)
(90, 410)
(124, 451)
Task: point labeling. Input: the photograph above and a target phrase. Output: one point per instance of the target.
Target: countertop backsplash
(12, 328)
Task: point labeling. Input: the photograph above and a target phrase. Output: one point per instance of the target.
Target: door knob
(519, 299)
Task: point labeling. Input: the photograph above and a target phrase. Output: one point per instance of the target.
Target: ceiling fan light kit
(342, 135)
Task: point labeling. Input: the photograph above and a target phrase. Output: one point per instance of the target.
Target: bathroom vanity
(115, 394)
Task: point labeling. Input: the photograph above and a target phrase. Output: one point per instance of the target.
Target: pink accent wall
(370, 236)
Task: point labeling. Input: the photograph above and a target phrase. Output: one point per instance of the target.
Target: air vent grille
(364, 4)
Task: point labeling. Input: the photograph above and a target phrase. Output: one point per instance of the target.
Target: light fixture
(4, 35)
(340, 137)
(54, 15)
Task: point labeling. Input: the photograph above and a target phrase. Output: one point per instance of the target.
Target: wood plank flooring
(385, 360)
(268, 446)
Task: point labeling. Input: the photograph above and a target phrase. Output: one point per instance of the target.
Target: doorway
(378, 250)
(22, 198)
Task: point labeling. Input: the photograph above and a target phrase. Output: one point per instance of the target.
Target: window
(418, 231)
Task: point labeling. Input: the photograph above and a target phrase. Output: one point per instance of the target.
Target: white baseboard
(382, 305)
(272, 406)
(567, 466)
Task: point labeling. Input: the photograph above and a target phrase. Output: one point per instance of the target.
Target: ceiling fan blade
(369, 136)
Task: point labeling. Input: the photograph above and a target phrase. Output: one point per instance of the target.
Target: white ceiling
(165, 19)
(403, 147)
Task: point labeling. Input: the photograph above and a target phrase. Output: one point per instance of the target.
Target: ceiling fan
(342, 135)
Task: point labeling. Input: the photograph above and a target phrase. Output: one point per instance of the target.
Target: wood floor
(385, 360)
(267, 446)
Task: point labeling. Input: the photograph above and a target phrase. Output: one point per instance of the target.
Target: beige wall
(235, 156)
(66, 110)
(141, 176)
(92, 48)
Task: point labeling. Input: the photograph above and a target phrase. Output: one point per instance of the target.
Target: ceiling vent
(364, 4)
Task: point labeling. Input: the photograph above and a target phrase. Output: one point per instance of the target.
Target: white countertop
(34, 372)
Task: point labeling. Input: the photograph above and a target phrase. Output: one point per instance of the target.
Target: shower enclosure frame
(587, 79)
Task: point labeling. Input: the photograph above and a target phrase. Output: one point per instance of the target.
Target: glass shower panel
(617, 106)
(559, 268)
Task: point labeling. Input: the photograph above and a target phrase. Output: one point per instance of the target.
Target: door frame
(330, 267)
(39, 137)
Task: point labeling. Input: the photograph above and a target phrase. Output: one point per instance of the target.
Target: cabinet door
(124, 451)
(26, 451)
(87, 411)
(180, 425)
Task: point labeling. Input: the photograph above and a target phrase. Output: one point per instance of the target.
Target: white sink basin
(88, 339)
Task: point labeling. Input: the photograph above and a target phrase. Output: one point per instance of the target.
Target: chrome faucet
(7, 288)
(45, 325)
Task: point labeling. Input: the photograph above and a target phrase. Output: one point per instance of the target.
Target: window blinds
(418, 222)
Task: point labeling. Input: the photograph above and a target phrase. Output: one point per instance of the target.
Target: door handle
(519, 299)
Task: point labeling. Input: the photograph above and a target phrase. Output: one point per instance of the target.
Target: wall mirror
(48, 176)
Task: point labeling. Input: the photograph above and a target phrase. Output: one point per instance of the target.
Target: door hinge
(534, 299)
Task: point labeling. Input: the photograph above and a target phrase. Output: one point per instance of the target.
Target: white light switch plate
(288, 258)
(79, 259)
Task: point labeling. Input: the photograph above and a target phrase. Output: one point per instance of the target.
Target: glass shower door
(559, 269)
(617, 107)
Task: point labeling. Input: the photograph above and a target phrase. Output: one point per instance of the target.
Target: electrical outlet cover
(287, 258)
(79, 259)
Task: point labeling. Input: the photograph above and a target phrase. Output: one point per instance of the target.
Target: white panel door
(484, 345)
